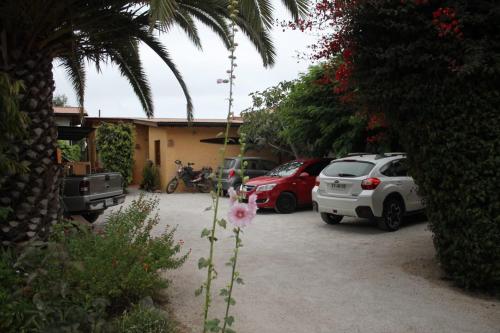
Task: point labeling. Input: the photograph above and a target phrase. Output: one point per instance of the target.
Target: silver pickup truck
(90, 195)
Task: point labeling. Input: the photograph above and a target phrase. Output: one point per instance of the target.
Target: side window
(397, 168)
(315, 169)
(251, 165)
(401, 168)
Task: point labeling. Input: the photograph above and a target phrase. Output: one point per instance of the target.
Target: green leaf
(230, 321)
(239, 281)
(231, 300)
(198, 291)
(213, 325)
(202, 262)
(222, 223)
(205, 232)
(228, 330)
(223, 292)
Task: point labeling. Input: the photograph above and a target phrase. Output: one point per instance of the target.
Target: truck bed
(92, 193)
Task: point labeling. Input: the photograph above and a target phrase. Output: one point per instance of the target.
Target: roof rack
(386, 155)
(358, 154)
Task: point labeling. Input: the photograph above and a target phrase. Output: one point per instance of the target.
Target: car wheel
(91, 217)
(331, 218)
(286, 203)
(392, 217)
(172, 185)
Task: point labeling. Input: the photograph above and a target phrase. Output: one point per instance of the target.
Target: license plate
(109, 202)
(337, 186)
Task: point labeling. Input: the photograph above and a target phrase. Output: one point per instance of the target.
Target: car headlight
(264, 188)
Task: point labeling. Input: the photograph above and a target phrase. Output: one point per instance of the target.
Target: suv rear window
(229, 163)
(348, 169)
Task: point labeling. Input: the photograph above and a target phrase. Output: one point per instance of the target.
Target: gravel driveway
(303, 276)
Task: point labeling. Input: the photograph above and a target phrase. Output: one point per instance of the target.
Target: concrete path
(303, 276)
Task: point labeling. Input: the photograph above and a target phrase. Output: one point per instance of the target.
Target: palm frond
(130, 66)
(75, 69)
(162, 52)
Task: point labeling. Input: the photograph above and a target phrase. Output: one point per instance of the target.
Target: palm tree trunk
(33, 196)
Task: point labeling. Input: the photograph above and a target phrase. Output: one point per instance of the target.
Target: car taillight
(370, 183)
(84, 186)
(317, 182)
(231, 174)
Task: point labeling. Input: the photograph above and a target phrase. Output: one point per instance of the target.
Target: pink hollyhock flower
(252, 203)
(241, 215)
(233, 196)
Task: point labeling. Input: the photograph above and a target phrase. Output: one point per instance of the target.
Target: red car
(287, 186)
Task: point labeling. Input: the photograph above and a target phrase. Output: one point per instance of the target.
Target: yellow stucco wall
(141, 152)
(182, 143)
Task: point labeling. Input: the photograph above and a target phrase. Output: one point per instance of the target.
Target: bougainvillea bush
(432, 67)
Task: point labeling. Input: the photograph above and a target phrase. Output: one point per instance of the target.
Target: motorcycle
(198, 179)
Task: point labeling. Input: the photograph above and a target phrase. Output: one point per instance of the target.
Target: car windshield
(229, 163)
(348, 169)
(286, 169)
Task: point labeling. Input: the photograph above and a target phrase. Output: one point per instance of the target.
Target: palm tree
(34, 33)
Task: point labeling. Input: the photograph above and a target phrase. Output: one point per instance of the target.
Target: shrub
(116, 148)
(432, 67)
(150, 177)
(143, 320)
(79, 280)
(70, 152)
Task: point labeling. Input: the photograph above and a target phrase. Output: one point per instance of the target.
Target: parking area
(304, 276)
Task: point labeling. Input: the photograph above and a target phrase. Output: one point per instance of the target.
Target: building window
(157, 152)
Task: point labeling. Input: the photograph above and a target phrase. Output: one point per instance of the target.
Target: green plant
(122, 263)
(79, 280)
(115, 144)
(150, 177)
(143, 320)
(70, 152)
(13, 125)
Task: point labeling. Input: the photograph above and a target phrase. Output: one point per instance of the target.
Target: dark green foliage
(442, 95)
(115, 144)
(79, 280)
(150, 177)
(70, 152)
(305, 119)
(13, 125)
(263, 126)
(319, 120)
(60, 100)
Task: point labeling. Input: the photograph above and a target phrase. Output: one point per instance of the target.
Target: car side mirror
(304, 175)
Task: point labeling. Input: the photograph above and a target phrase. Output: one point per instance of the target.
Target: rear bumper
(84, 204)
(360, 206)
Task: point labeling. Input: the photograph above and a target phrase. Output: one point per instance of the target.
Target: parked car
(231, 169)
(287, 186)
(368, 186)
(91, 194)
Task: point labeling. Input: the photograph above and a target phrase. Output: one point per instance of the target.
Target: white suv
(367, 186)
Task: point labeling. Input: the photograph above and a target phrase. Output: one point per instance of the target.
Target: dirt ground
(304, 276)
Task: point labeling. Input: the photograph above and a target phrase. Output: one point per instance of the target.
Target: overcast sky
(112, 94)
